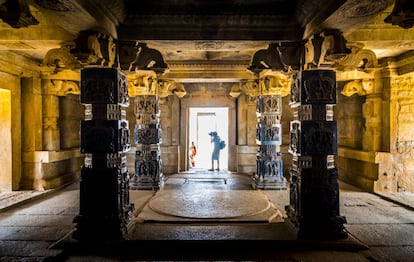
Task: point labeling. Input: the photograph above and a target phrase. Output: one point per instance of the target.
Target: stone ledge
(365, 156)
(50, 156)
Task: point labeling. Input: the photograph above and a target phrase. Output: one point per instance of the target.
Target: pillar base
(146, 183)
(98, 228)
(270, 184)
(323, 229)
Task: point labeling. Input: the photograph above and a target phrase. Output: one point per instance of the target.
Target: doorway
(5, 141)
(202, 121)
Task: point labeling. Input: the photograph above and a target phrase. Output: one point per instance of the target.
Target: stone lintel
(62, 75)
(352, 75)
(16, 64)
(210, 27)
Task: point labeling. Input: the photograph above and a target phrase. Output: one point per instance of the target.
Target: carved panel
(104, 86)
(104, 136)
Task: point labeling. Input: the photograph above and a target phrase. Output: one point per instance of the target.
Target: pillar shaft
(51, 135)
(314, 190)
(105, 211)
(269, 172)
(147, 135)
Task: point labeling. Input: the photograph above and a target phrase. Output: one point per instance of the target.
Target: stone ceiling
(204, 41)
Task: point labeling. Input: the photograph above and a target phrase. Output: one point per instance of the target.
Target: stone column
(147, 131)
(105, 211)
(372, 111)
(314, 190)
(269, 172)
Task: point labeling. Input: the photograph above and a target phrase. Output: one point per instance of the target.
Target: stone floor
(379, 228)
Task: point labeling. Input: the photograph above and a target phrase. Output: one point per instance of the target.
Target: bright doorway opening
(202, 121)
(5, 141)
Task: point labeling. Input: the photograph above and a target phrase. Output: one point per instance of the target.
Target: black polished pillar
(105, 211)
(314, 190)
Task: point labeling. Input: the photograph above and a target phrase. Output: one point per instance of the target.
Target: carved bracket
(170, 87)
(274, 83)
(93, 48)
(60, 59)
(324, 49)
(359, 87)
(142, 82)
(148, 59)
(61, 87)
(360, 59)
(251, 87)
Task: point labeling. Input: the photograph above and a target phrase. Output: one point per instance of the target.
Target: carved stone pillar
(54, 86)
(372, 111)
(269, 165)
(147, 133)
(314, 190)
(105, 211)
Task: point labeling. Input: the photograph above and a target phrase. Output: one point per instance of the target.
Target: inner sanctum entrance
(202, 121)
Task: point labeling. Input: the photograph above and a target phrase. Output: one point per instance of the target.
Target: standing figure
(193, 153)
(215, 139)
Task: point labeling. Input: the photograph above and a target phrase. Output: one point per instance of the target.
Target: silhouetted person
(218, 145)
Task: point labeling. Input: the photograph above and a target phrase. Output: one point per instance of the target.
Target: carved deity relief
(104, 85)
(319, 88)
(146, 105)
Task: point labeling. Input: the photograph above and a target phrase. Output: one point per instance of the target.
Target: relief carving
(267, 59)
(359, 86)
(148, 59)
(319, 88)
(61, 88)
(324, 49)
(360, 59)
(61, 59)
(16, 13)
(275, 84)
(402, 14)
(93, 48)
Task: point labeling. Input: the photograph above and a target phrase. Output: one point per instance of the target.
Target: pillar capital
(142, 82)
(274, 83)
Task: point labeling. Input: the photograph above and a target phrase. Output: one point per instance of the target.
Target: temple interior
(306, 94)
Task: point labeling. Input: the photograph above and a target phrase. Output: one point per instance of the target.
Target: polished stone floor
(172, 224)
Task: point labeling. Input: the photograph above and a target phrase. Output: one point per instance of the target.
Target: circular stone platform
(211, 204)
